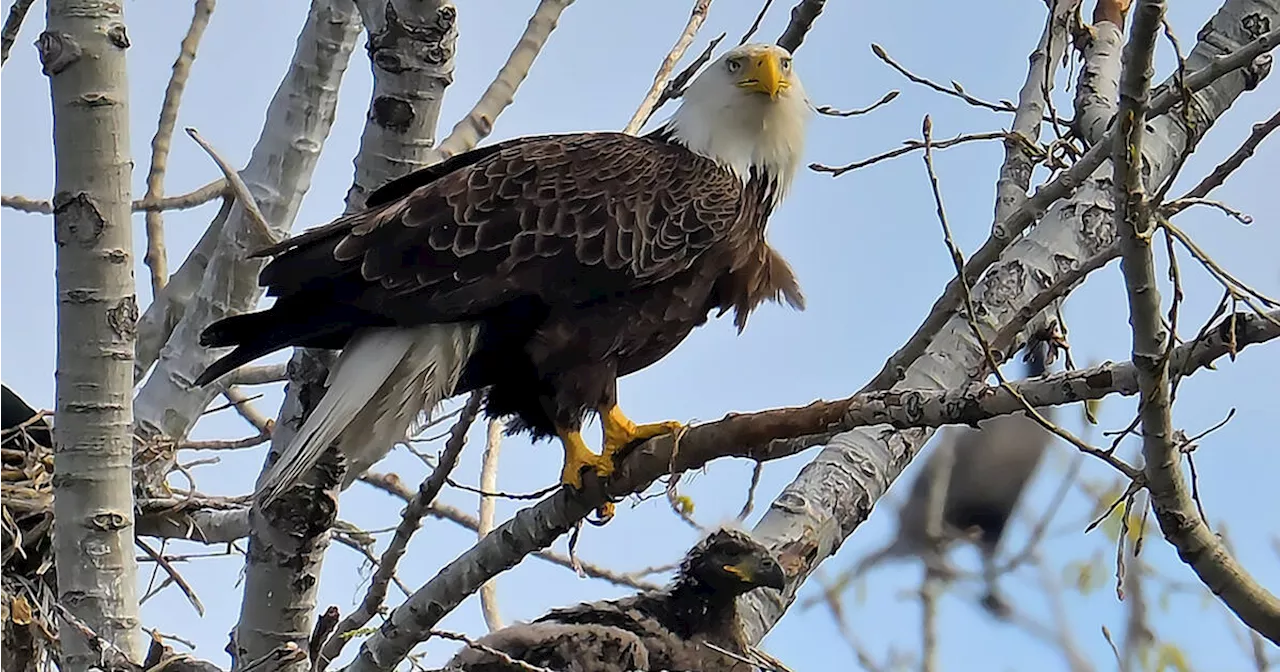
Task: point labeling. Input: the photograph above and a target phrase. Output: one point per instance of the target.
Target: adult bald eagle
(542, 268)
(659, 630)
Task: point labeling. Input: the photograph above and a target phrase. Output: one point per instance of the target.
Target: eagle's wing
(567, 219)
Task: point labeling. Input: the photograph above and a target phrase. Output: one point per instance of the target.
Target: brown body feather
(582, 257)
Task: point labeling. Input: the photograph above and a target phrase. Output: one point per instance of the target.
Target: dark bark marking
(123, 318)
(391, 113)
(57, 52)
(118, 36)
(76, 218)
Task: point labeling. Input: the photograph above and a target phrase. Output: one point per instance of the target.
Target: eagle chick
(666, 629)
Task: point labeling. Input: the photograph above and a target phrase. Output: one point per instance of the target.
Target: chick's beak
(760, 571)
(763, 74)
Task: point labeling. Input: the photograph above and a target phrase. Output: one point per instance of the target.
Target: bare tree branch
(1224, 170)
(1099, 79)
(1213, 68)
(278, 173)
(478, 123)
(1170, 498)
(802, 17)
(185, 201)
(12, 26)
(155, 257)
(650, 102)
(488, 507)
(833, 493)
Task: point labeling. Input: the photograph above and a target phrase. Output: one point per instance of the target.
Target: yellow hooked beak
(763, 73)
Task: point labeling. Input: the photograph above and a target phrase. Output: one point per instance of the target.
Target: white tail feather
(381, 382)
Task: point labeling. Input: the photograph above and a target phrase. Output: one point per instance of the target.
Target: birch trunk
(83, 53)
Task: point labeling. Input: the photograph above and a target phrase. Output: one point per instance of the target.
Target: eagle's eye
(786, 63)
(733, 64)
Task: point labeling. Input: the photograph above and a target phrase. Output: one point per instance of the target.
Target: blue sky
(866, 246)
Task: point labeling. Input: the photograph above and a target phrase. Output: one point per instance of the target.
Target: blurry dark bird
(656, 630)
(541, 268)
(15, 411)
(990, 468)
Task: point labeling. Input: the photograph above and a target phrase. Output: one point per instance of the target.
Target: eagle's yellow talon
(577, 456)
(620, 431)
(605, 512)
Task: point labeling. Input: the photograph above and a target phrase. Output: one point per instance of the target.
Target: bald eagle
(658, 630)
(541, 268)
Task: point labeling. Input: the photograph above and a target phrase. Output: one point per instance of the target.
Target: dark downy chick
(992, 466)
(655, 630)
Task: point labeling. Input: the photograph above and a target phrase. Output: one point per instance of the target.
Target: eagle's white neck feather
(741, 130)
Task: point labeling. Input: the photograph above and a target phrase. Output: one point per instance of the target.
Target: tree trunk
(83, 53)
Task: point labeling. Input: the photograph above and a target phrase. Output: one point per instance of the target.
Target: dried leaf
(20, 611)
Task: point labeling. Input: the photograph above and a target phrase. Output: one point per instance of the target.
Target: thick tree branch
(12, 26)
(278, 175)
(1015, 171)
(478, 123)
(1171, 500)
(802, 17)
(411, 48)
(1099, 79)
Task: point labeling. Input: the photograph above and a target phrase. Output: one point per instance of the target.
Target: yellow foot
(620, 431)
(605, 512)
(577, 456)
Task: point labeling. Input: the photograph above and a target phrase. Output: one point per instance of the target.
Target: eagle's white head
(747, 109)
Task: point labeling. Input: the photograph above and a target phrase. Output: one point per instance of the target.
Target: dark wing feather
(568, 218)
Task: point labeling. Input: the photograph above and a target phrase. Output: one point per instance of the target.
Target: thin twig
(747, 506)
(488, 507)
(227, 444)
(162, 141)
(755, 25)
(241, 402)
(173, 574)
(650, 102)
(907, 147)
(391, 484)
(1224, 170)
(192, 199)
(857, 111)
(410, 521)
(238, 187)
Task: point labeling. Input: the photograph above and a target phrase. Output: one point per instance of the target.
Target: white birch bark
(834, 493)
(83, 53)
(278, 174)
(1099, 81)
